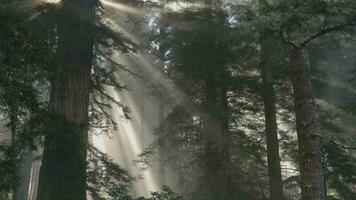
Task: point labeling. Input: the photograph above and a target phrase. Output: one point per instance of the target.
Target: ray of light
(52, 1)
(123, 7)
(114, 26)
(132, 136)
(36, 2)
(128, 141)
(177, 6)
(146, 61)
(130, 145)
(98, 142)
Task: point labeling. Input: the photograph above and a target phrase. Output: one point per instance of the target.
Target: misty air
(177, 100)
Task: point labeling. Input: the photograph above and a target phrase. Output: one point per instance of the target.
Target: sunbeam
(177, 99)
(114, 26)
(123, 7)
(126, 143)
(52, 1)
(178, 6)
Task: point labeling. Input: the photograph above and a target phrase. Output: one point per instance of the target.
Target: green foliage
(29, 61)
(300, 22)
(122, 193)
(19, 99)
(105, 177)
(199, 46)
(8, 169)
(340, 170)
(339, 162)
(165, 194)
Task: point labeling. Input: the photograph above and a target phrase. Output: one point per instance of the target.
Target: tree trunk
(25, 174)
(14, 143)
(217, 152)
(63, 170)
(312, 179)
(273, 159)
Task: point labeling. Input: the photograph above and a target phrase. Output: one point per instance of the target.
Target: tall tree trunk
(217, 152)
(14, 142)
(312, 179)
(273, 159)
(63, 170)
(226, 182)
(25, 174)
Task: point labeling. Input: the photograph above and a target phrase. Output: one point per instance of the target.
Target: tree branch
(285, 40)
(326, 31)
(342, 146)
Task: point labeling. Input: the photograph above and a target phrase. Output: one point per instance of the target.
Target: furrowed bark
(63, 170)
(312, 178)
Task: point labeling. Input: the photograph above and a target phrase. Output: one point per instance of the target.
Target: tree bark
(63, 170)
(312, 179)
(273, 159)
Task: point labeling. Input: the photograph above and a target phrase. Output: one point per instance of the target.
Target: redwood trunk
(273, 159)
(63, 170)
(312, 180)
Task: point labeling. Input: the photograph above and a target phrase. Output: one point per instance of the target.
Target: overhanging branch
(326, 31)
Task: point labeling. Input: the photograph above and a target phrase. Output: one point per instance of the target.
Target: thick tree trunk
(63, 170)
(312, 179)
(273, 159)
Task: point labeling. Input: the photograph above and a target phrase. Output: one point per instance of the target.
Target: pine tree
(298, 29)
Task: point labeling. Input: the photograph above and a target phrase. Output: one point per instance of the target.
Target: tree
(207, 59)
(305, 22)
(204, 61)
(274, 166)
(80, 45)
(269, 101)
(20, 60)
(63, 169)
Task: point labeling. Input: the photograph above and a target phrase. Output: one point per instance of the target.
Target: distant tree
(207, 58)
(20, 61)
(200, 53)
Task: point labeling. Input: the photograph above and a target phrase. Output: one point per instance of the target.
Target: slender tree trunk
(217, 152)
(312, 179)
(273, 159)
(25, 173)
(211, 160)
(226, 182)
(63, 170)
(271, 129)
(13, 120)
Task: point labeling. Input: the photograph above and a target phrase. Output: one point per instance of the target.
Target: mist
(177, 100)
